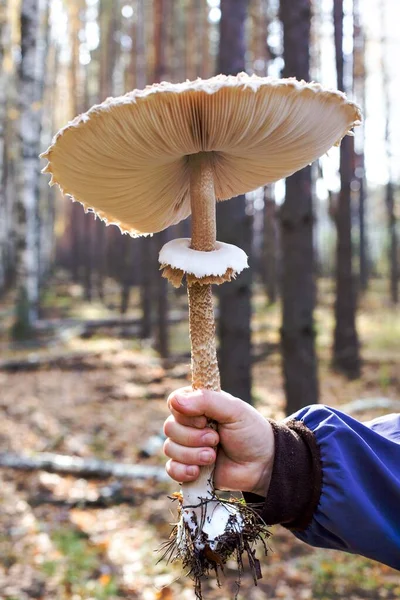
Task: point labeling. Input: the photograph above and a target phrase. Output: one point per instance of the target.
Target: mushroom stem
(205, 373)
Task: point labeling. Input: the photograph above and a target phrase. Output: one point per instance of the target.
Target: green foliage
(80, 567)
(342, 576)
(49, 568)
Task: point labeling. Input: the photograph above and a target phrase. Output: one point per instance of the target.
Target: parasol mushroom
(146, 161)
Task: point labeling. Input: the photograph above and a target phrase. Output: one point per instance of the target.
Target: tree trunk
(346, 358)
(359, 95)
(109, 51)
(269, 266)
(46, 60)
(205, 62)
(394, 245)
(296, 228)
(234, 227)
(161, 13)
(31, 76)
(144, 247)
(76, 226)
(4, 42)
(389, 192)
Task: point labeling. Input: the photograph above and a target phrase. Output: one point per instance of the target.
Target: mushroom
(145, 161)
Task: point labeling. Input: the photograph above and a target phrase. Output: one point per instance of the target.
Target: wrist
(262, 486)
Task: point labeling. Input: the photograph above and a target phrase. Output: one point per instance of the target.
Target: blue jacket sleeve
(359, 506)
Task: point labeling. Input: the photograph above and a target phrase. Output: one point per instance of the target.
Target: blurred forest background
(91, 337)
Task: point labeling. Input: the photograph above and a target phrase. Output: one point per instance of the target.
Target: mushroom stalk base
(210, 532)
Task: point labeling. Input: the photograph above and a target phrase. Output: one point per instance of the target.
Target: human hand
(246, 452)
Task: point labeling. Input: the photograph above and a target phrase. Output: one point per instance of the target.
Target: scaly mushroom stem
(205, 372)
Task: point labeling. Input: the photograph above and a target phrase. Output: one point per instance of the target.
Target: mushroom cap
(127, 158)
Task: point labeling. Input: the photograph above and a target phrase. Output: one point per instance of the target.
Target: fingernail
(209, 438)
(191, 471)
(206, 456)
(182, 400)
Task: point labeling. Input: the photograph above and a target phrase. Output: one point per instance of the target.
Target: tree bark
(75, 229)
(235, 227)
(346, 357)
(296, 228)
(393, 259)
(4, 42)
(31, 79)
(269, 266)
(359, 94)
(393, 250)
(161, 13)
(145, 248)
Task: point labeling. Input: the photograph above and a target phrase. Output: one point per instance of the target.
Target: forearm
(340, 486)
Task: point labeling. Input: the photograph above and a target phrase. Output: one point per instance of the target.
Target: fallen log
(113, 495)
(88, 468)
(363, 404)
(34, 362)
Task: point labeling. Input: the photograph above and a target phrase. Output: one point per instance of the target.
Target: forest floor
(61, 539)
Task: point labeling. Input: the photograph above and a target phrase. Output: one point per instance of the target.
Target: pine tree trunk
(4, 41)
(269, 267)
(109, 51)
(205, 62)
(393, 251)
(359, 95)
(235, 227)
(346, 358)
(362, 219)
(76, 225)
(144, 247)
(296, 228)
(31, 76)
(161, 13)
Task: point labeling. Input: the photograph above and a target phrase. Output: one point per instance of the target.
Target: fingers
(197, 422)
(219, 406)
(182, 473)
(189, 436)
(189, 456)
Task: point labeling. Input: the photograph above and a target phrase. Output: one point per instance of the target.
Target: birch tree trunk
(346, 357)
(31, 75)
(47, 58)
(296, 228)
(235, 227)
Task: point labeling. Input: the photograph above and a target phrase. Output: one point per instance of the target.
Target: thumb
(218, 406)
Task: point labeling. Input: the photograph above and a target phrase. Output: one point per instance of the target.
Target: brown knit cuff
(296, 480)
